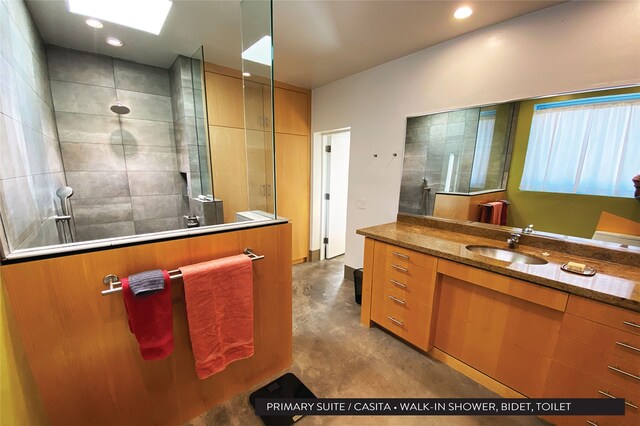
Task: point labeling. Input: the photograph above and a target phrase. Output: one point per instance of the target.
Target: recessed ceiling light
(462, 12)
(259, 52)
(114, 41)
(94, 23)
(246, 74)
(145, 15)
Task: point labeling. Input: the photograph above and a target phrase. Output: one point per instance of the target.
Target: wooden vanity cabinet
(402, 289)
(500, 326)
(597, 356)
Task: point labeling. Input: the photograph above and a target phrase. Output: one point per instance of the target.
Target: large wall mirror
(567, 164)
(107, 121)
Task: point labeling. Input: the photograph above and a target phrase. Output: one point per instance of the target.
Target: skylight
(144, 15)
(259, 52)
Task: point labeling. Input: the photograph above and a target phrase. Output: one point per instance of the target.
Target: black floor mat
(287, 386)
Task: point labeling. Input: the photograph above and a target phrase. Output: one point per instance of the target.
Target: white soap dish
(588, 271)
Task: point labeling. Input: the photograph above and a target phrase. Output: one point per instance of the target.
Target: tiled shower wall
(123, 169)
(30, 163)
(430, 140)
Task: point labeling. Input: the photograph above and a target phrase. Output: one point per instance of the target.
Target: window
(584, 146)
(482, 153)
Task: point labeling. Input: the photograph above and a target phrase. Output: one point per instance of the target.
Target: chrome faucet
(528, 229)
(513, 240)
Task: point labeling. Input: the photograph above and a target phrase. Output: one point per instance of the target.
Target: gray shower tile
(437, 131)
(105, 230)
(434, 163)
(98, 184)
(466, 161)
(183, 159)
(82, 98)
(470, 130)
(154, 183)
(455, 129)
(420, 121)
(46, 198)
(414, 164)
(141, 78)
(195, 186)
(179, 73)
(13, 152)
(80, 157)
(9, 94)
(415, 150)
(149, 226)
(151, 158)
(47, 120)
(412, 178)
(457, 116)
(196, 158)
(73, 127)
(146, 106)
(439, 119)
(18, 202)
(53, 154)
(79, 67)
(147, 132)
(156, 206)
(45, 235)
(201, 131)
(417, 135)
(36, 151)
(198, 103)
(89, 211)
(42, 83)
(185, 132)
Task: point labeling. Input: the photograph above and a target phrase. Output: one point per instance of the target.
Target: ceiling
(315, 41)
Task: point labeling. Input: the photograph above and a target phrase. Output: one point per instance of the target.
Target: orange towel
(219, 297)
(496, 212)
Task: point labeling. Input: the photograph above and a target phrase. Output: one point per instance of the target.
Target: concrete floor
(337, 357)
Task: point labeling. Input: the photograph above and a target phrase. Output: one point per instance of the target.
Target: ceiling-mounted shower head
(120, 108)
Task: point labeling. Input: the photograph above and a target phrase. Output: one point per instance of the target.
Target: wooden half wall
(85, 361)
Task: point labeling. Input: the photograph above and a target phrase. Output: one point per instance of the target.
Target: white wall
(570, 47)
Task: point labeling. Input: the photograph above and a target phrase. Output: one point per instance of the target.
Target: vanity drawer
(417, 283)
(608, 339)
(407, 318)
(405, 258)
(600, 364)
(619, 318)
(567, 382)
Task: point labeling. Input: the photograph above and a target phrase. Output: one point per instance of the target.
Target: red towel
(503, 215)
(219, 297)
(496, 212)
(151, 319)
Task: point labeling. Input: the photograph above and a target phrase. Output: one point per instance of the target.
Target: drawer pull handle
(631, 324)
(608, 395)
(628, 346)
(398, 283)
(399, 268)
(396, 321)
(395, 299)
(589, 422)
(617, 370)
(403, 256)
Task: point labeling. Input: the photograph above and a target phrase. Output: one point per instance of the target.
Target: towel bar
(115, 285)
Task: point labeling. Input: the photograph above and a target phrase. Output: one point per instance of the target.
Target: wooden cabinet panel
(292, 111)
(533, 293)
(403, 256)
(402, 296)
(612, 316)
(225, 100)
(565, 381)
(229, 164)
(87, 364)
(601, 337)
(405, 317)
(292, 180)
(597, 363)
(497, 334)
(254, 105)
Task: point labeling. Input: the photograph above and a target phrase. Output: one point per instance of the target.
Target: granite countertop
(616, 284)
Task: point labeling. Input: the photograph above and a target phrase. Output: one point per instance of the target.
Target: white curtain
(483, 151)
(585, 149)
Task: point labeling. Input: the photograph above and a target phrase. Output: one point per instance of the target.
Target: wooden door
(229, 164)
(292, 111)
(292, 179)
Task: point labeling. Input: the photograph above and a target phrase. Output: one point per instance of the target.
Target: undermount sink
(506, 255)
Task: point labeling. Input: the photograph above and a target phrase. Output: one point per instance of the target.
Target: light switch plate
(361, 203)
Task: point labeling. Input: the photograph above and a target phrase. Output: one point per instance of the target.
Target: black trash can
(357, 281)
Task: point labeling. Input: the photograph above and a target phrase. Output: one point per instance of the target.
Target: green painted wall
(568, 214)
(20, 402)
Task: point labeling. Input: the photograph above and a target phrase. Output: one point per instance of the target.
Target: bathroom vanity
(520, 329)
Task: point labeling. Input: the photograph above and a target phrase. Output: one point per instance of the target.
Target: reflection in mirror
(457, 152)
(104, 130)
(450, 154)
